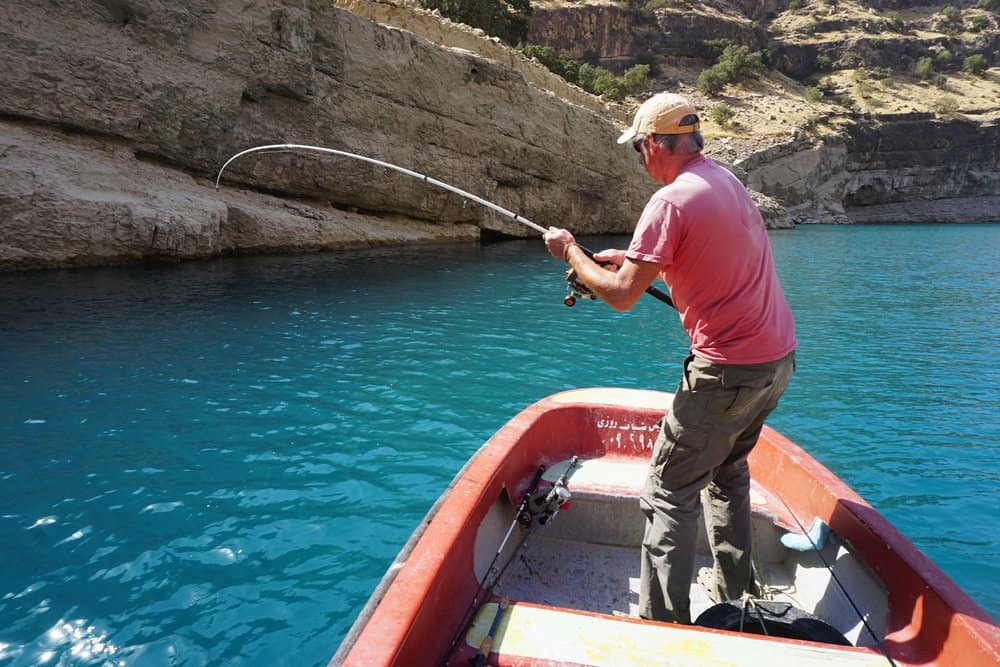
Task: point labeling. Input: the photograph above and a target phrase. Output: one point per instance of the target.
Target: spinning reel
(576, 289)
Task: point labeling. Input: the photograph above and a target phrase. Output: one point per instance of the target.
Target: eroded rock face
(70, 200)
(166, 91)
(911, 168)
(917, 168)
(891, 168)
(616, 37)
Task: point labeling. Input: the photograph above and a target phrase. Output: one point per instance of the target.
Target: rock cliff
(910, 168)
(882, 145)
(117, 113)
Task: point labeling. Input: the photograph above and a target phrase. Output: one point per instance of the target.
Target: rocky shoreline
(118, 116)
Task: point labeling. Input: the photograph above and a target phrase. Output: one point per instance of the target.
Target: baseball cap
(661, 114)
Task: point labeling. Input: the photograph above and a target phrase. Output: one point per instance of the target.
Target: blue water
(214, 462)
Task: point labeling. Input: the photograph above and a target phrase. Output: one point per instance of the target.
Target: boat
(531, 557)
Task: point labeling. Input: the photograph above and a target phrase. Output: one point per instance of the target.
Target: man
(704, 236)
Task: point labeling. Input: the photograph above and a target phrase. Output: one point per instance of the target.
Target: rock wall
(917, 168)
(882, 169)
(615, 37)
(117, 113)
(909, 168)
(405, 14)
(71, 200)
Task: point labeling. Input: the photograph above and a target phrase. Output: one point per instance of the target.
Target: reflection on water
(215, 462)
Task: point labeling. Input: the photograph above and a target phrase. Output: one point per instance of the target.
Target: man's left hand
(557, 241)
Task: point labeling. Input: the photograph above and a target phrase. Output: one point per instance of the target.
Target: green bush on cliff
(737, 63)
(592, 78)
(712, 81)
(978, 23)
(975, 64)
(555, 63)
(636, 78)
(653, 5)
(895, 20)
(506, 19)
(925, 68)
(989, 5)
(721, 114)
(601, 81)
(952, 13)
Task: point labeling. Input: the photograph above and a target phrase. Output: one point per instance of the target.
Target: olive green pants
(714, 422)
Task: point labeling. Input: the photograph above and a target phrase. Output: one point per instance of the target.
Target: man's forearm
(619, 289)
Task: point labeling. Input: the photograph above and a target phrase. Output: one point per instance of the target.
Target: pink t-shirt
(707, 234)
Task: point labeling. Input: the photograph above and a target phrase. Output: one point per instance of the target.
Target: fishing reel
(556, 499)
(576, 289)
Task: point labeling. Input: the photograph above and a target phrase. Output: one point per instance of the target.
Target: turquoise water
(214, 462)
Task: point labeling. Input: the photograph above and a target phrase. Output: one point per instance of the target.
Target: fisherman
(704, 236)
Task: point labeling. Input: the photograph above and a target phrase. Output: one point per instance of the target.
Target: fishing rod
(535, 509)
(577, 289)
(522, 517)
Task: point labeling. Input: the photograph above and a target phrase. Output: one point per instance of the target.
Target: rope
(748, 599)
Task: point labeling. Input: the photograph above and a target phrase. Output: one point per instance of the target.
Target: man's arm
(619, 289)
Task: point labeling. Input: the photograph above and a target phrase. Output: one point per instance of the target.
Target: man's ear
(653, 147)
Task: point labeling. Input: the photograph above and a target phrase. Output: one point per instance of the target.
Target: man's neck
(676, 166)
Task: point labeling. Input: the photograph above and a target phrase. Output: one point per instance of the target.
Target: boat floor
(549, 572)
(552, 618)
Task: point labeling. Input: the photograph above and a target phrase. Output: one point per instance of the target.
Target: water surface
(215, 462)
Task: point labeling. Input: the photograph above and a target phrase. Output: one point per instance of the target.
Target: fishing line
(843, 589)
(289, 148)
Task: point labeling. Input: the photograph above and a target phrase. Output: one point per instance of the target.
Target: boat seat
(607, 489)
(537, 634)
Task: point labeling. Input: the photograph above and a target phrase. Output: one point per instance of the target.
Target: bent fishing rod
(577, 288)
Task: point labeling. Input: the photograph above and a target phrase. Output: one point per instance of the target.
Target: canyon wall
(117, 114)
(865, 168)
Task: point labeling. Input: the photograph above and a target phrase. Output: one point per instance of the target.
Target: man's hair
(689, 143)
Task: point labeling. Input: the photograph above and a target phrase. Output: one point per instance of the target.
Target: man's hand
(611, 259)
(558, 241)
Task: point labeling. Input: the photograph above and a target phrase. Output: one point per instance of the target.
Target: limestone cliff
(117, 113)
(875, 143)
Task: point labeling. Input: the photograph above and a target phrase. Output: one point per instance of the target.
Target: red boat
(503, 572)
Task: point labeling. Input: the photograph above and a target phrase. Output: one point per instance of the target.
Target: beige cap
(661, 114)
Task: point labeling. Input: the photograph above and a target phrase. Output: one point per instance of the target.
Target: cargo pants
(714, 421)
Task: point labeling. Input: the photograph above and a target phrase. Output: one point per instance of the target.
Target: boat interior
(587, 557)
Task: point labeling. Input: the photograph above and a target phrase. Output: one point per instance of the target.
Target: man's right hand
(611, 259)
